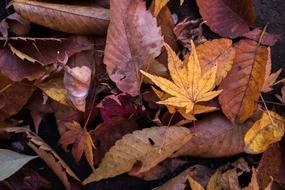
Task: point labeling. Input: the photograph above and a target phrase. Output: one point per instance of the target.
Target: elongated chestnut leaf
(63, 17)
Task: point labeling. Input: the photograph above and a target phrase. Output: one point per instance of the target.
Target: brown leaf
(105, 135)
(226, 17)
(267, 39)
(243, 84)
(63, 17)
(133, 40)
(45, 50)
(15, 95)
(17, 69)
(214, 137)
(81, 140)
(217, 52)
(47, 154)
(18, 25)
(282, 97)
(229, 180)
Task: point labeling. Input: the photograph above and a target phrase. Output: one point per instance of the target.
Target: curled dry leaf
(47, 154)
(81, 140)
(214, 137)
(269, 129)
(226, 17)
(11, 162)
(77, 81)
(45, 50)
(14, 96)
(189, 86)
(17, 69)
(216, 52)
(63, 17)
(267, 39)
(133, 40)
(243, 84)
(140, 151)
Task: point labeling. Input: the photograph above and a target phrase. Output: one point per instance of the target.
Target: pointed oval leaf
(11, 162)
(63, 17)
(243, 84)
(140, 151)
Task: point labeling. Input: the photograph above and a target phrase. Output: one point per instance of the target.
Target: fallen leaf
(270, 78)
(159, 4)
(64, 17)
(282, 97)
(267, 130)
(242, 86)
(17, 69)
(81, 141)
(229, 180)
(116, 105)
(216, 52)
(46, 153)
(267, 39)
(214, 137)
(194, 184)
(253, 183)
(11, 162)
(140, 151)
(17, 25)
(179, 182)
(214, 183)
(54, 88)
(226, 17)
(133, 40)
(45, 51)
(14, 94)
(189, 86)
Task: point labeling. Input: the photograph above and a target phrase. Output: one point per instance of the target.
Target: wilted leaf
(282, 97)
(159, 4)
(253, 183)
(215, 136)
(15, 95)
(133, 40)
(269, 129)
(243, 84)
(267, 39)
(226, 17)
(116, 105)
(189, 86)
(214, 183)
(63, 17)
(229, 180)
(45, 50)
(179, 182)
(216, 52)
(140, 151)
(46, 153)
(194, 184)
(11, 162)
(54, 88)
(17, 69)
(81, 140)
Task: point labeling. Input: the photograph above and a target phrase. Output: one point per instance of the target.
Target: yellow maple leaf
(189, 85)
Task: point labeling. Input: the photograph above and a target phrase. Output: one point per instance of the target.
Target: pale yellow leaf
(267, 130)
(140, 151)
(213, 183)
(194, 184)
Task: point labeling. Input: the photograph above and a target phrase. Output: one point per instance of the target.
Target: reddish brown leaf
(133, 40)
(243, 84)
(17, 69)
(267, 39)
(116, 105)
(63, 17)
(105, 135)
(227, 17)
(17, 25)
(282, 97)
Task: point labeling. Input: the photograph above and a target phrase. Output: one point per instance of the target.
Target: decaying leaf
(14, 96)
(269, 129)
(243, 84)
(81, 140)
(194, 184)
(229, 180)
(63, 17)
(46, 153)
(140, 151)
(214, 183)
(54, 88)
(215, 136)
(267, 39)
(159, 4)
(133, 40)
(282, 96)
(189, 85)
(216, 52)
(11, 162)
(226, 17)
